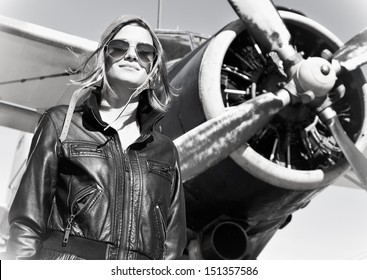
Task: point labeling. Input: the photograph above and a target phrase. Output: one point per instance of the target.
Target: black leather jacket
(124, 204)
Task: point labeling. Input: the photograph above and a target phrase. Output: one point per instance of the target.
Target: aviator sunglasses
(117, 49)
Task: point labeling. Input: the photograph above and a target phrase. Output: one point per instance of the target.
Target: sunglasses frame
(130, 45)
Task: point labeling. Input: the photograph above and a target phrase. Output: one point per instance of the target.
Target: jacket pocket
(160, 168)
(87, 150)
(160, 227)
(84, 199)
(81, 203)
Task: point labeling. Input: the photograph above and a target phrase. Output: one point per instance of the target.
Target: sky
(334, 225)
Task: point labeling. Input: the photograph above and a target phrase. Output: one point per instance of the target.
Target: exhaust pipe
(225, 240)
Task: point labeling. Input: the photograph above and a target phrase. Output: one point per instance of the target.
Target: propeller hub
(325, 69)
(316, 75)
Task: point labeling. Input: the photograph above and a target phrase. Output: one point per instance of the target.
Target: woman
(100, 182)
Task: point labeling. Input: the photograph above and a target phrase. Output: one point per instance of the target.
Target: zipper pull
(65, 240)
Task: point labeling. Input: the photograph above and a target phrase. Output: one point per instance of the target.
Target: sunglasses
(117, 49)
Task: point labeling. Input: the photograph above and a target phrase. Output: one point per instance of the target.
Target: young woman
(100, 182)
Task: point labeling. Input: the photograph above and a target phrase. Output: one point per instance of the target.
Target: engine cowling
(302, 174)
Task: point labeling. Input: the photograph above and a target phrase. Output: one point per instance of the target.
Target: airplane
(240, 189)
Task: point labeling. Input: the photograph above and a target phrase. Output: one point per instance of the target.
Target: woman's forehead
(134, 33)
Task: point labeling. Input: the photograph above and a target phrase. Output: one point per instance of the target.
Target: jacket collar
(147, 117)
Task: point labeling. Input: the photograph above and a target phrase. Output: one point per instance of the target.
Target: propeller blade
(265, 25)
(215, 139)
(352, 54)
(355, 158)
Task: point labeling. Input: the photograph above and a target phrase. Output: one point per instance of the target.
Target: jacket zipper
(67, 231)
(164, 228)
(128, 196)
(124, 163)
(88, 149)
(121, 185)
(79, 196)
(161, 229)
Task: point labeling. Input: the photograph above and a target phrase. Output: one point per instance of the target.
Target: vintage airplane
(250, 157)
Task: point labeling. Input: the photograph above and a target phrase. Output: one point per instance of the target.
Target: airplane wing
(36, 61)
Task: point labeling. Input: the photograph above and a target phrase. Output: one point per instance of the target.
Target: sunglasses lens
(146, 52)
(118, 48)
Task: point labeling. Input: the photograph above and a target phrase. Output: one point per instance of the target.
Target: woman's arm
(32, 204)
(176, 226)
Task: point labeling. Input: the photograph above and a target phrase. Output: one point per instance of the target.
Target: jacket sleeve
(32, 203)
(176, 226)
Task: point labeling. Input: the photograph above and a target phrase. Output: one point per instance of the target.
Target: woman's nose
(131, 54)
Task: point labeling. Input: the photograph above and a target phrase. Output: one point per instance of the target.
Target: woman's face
(129, 69)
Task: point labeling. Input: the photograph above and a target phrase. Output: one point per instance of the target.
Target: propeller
(352, 54)
(356, 159)
(313, 78)
(270, 31)
(213, 140)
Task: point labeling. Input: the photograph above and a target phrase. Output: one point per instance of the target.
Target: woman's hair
(92, 69)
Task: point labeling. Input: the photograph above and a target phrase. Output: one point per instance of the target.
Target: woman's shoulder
(165, 141)
(58, 113)
(162, 137)
(57, 110)
(55, 115)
